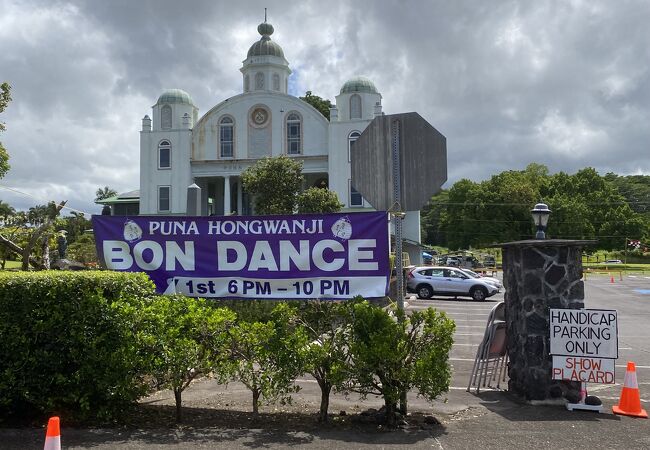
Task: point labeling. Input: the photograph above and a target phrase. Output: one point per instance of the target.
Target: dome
(175, 96)
(359, 84)
(265, 46)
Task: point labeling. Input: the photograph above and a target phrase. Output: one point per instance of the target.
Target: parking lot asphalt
(491, 419)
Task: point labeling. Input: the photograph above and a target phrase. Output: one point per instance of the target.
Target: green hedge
(67, 344)
(88, 345)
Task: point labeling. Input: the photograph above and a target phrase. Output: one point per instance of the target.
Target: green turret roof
(359, 84)
(265, 46)
(175, 96)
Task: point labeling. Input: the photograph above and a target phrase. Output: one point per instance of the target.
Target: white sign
(584, 332)
(587, 370)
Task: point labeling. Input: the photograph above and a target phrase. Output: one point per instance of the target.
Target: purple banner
(331, 256)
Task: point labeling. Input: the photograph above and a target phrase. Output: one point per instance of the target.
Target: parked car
(452, 261)
(448, 281)
(427, 258)
(613, 261)
(489, 261)
(495, 281)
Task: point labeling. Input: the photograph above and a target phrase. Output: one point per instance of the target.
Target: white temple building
(179, 147)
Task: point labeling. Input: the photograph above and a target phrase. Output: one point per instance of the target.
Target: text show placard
(584, 344)
(587, 370)
(333, 256)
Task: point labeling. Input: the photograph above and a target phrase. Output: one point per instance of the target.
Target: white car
(449, 281)
(495, 281)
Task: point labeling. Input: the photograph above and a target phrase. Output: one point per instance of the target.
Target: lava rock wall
(539, 275)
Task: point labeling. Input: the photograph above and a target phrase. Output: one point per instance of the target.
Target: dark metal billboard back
(422, 152)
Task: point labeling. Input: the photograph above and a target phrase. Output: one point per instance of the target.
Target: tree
(182, 338)
(635, 189)
(37, 215)
(321, 104)
(6, 211)
(274, 184)
(391, 356)
(44, 217)
(585, 205)
(318, 200)
(266, 356)
(104, 193)
(14, 232)
(74, 225)
(83, 250)
(432, 232)
(617, 225)
(570, 217)
(325, 355)
(5, 98)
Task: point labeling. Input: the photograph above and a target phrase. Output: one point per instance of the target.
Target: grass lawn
(618, 267)
(13, 265)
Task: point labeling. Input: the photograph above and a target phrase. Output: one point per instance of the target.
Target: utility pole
(398, 214)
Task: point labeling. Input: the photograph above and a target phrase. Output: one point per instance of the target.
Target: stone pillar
(226, 196)
(538, 275)
(240, 196)
(193, 200)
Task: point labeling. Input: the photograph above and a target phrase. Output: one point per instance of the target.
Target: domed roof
(175, 96)
(359, 84)
(265, 46)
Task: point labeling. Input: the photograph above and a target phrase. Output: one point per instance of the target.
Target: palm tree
(37, 214)
(19, 219)
(104, 193)
(6, 211)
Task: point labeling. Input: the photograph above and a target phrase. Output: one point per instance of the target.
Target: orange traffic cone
(630, 403)
(53, 436)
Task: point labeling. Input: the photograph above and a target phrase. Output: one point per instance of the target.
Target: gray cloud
(565, 84)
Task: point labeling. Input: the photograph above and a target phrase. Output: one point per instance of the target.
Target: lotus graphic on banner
(328, 256)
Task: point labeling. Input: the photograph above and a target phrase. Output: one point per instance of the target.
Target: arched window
(247, 83)
(259, 80)
(293, 134)
(226, 138)
(351, 138)
(164, 155)
(355, 107)
(166, 117)
(276, 81)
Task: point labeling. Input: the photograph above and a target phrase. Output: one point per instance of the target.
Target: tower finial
(264, 15)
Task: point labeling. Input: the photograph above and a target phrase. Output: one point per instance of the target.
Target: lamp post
(540, 216)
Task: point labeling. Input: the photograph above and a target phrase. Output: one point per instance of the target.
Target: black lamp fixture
(540, 216)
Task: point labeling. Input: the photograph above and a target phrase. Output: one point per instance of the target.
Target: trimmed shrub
(325, 355)
(390, 357)
(182, 338)
(68, 345)
(255, 310)
(266, 355)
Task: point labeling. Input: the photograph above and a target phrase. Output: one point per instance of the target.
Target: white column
(240, 196)
(226, 196)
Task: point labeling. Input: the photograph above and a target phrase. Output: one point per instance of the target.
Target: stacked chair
(491, 358)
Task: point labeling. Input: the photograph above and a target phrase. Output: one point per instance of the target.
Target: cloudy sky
(563, 83)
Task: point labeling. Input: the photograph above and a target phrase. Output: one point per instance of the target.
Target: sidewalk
(489, 420)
